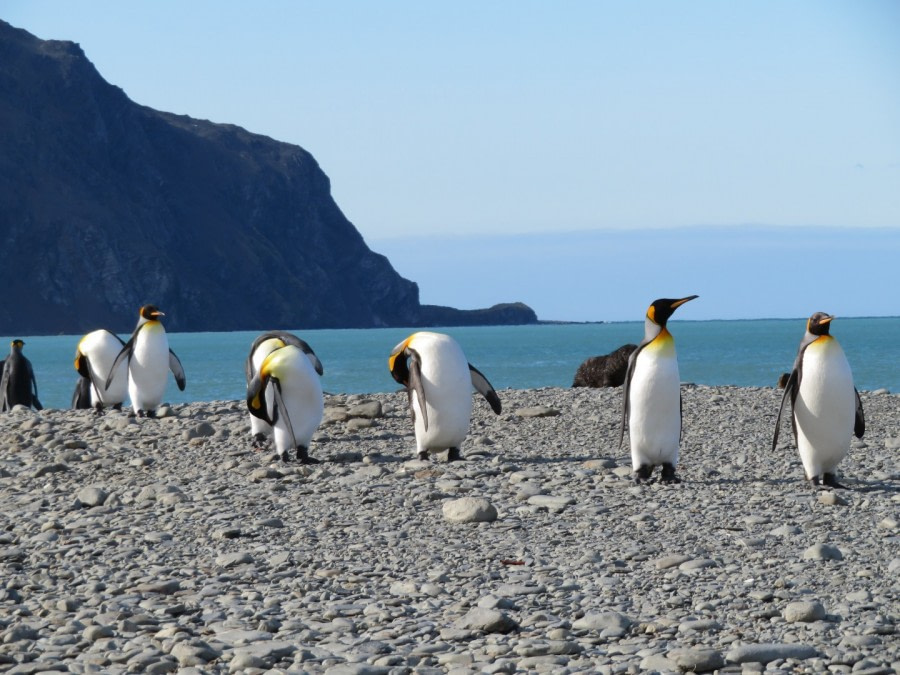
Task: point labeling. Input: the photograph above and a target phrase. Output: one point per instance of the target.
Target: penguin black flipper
(790, 391)
(626, 389)
(279, 405)
(124, 354)
(177, 370)
(415, 384)
(859, 424)
(4, 388)
(81, 398)
(483, 387)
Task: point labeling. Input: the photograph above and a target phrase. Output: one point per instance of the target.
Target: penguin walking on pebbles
(18, 386)
(149, 361)
(94, 357)
(286, 393)
(263, 345)
(651, 407)
(439, 382)
(826, 408)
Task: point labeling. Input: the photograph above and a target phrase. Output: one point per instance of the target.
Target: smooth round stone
(823, 552)
(92, 496)
(469, 510)
(487, 621)
(804, 612)
(766, 652)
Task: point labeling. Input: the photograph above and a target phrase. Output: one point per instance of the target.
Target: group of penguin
(109, 367)
(286, 402)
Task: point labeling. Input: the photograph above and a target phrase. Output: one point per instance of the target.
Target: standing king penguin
(439, 381)
(96, 353)
(651, 407)
(17, 382)
(287, 394)
(265, 344)
(149, 361)
(826, 408)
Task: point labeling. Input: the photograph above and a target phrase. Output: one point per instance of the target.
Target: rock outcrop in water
(106, 205)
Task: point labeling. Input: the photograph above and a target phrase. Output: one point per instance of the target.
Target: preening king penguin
(263, 345)
(826, 408)
(17, 382)
(439, 381)
(94, 356)
(149, 361)
(287, 394)
(651, 408)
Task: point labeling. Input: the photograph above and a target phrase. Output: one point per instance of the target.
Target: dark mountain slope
(106, 205)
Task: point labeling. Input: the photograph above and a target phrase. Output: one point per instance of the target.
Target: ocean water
(743, 353)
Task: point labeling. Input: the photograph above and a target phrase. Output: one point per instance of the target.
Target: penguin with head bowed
(651, 407)
(94, 356)
(286, 393)
(18, 385)
(149, 360)
(439, 381)
(826, 408)
(263, 345)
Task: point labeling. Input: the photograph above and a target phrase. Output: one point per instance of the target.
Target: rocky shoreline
(169, 545)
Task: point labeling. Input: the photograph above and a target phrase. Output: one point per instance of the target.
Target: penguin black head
(819, 323)
(660, 311)
(17, 343)
(150, 312)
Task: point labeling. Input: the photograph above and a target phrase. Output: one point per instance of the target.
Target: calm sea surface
(745, 353)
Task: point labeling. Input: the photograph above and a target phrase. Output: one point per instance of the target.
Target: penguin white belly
(654, 406)
(304, 405)
(101, 348)
(447, 382)
(149, 367)
(825, 407)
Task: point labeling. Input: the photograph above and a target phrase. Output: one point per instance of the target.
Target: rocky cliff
(106, 205)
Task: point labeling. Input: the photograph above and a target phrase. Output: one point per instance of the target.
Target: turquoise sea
(744, 353)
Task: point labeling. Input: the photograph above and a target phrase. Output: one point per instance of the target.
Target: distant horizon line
(625, 229)
(540, 322)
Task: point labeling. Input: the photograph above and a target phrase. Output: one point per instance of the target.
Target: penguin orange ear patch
(651, 313)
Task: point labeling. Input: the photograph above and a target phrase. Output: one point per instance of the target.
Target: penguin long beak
(679, 303)
(827, 319)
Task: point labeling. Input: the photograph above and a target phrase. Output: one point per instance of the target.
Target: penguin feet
(453, 455)
(423, 455)
(668, 474)
(303, 456)
(642, 473)
(830, 480)
(98, 410)
(149, 414)
(259, 441)
(117, 407)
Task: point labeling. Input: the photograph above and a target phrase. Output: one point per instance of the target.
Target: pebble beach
(170, 545)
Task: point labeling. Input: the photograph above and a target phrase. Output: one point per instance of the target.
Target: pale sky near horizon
(515, 116)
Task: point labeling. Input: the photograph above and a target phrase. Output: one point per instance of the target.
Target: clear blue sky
(477, 119)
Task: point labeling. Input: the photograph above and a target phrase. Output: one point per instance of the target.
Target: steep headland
(107, 205)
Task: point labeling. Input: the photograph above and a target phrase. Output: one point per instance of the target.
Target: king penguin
(287, 394)
(94, 356)
(17, 382)
(826, 408)
(439, 381)
(652, 398)
(149, 361)
(263, 345)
